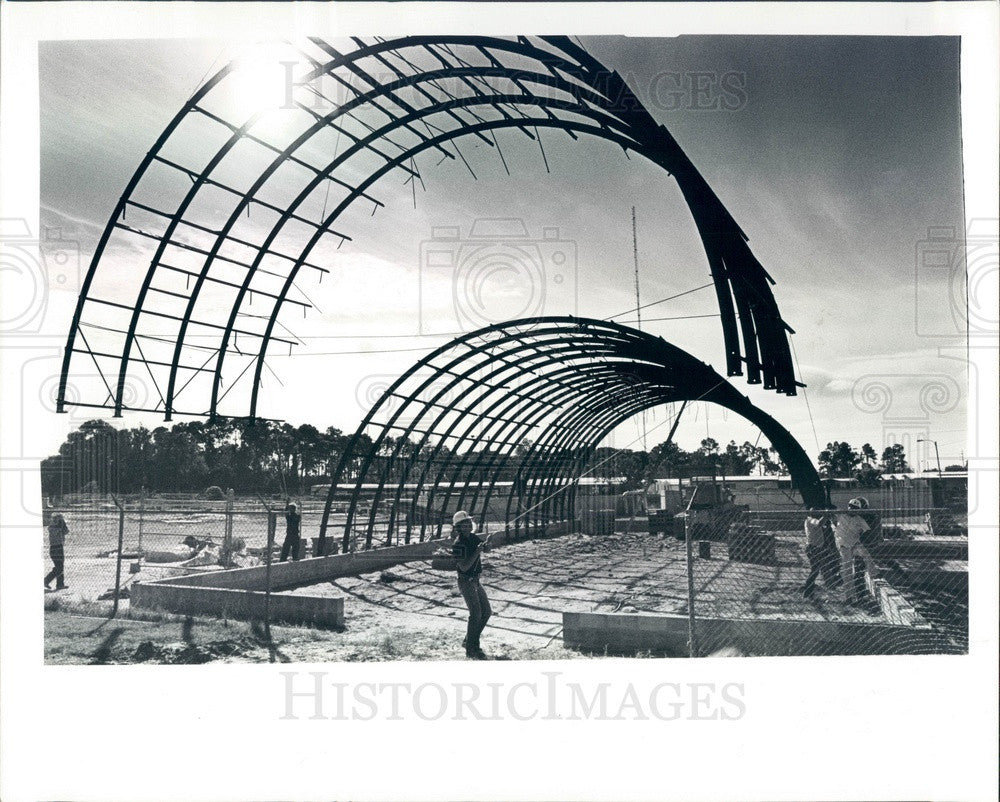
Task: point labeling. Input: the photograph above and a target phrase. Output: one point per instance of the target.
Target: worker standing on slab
(293, 527)
(467, 549)
(57, 544)
(822, 556)
(869, 539)
(847, 530)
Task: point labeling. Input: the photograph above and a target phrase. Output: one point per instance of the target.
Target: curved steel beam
(448, 370)
(517, 337)
(361, 146)
(601, 373)
(592, 92)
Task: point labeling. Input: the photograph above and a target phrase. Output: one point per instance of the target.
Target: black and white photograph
(508, 348)
(565, 347)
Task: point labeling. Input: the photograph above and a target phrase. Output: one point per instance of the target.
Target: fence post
(272, 525)
(118, 561)
(142, 513)
(227, 537)
(692, 640)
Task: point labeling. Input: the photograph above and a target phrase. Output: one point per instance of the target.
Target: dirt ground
(411, 612)
(90, 638)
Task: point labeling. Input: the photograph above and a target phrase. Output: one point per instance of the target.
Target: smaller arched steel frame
(503, 420)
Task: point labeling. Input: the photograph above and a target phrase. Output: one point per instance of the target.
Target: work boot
(476, 654)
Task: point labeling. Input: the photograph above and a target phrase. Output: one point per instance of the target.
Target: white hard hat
(460, 516)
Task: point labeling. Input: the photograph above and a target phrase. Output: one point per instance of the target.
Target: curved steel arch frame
(527, 84)
(531, 399)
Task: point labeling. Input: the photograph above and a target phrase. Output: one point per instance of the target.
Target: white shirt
(814, 531)
(848, 530)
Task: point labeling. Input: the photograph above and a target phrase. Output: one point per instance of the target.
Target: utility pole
(937, 454)
(638, 306)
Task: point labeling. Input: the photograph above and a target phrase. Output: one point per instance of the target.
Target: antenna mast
(635, 261)
(638, 306)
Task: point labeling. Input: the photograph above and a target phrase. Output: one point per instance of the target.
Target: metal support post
(272, 525)
(118, 560)
(692, 638)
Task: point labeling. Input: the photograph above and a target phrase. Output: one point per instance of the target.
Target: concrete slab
(531, 584)
(936, 575)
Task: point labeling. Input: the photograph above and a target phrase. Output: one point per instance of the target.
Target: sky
(836, 155)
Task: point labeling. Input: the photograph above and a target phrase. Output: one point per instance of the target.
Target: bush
(868, 477)
(214, 493)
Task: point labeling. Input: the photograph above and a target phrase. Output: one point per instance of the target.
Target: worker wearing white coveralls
(847, 532)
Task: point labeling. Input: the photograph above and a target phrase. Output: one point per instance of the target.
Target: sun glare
(263, 80)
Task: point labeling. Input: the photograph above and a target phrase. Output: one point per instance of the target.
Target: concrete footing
(668, 635)
(892, 603)
(242, 605)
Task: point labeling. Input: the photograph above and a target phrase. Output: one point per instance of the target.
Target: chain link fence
(750, 579)
(112, 540)
(841, 580)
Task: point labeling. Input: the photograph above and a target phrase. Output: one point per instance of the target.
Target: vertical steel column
(272, 526)
(692, 632)
(118, 556)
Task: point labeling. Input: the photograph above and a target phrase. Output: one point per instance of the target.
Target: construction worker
(874, 534)
(847, 531)
(869, 539)
(293, 526)
(467, 549)
(57, 544)
(822, 557)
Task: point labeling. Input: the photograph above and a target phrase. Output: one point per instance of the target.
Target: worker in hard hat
(847, 530)
(468, 548)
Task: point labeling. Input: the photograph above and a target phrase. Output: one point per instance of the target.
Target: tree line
(268, 456)
(262, 456)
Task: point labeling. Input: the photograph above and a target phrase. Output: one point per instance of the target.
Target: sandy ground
(72, 638)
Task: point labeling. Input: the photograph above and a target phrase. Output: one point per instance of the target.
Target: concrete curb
(894, 606)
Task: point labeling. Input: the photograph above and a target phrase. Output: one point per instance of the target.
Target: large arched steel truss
(539, 394)
(230, 206)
